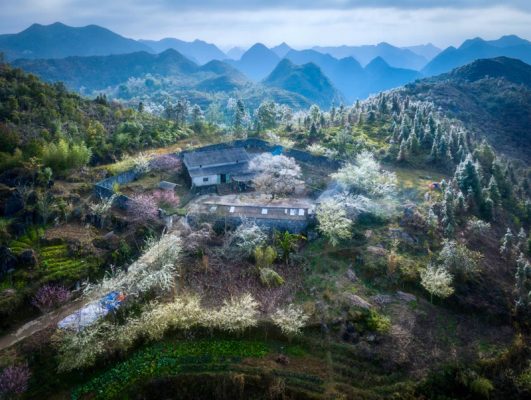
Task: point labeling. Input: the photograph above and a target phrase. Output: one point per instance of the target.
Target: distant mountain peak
(58, 40)
(377, 62)
(281, 50)
(308, 80)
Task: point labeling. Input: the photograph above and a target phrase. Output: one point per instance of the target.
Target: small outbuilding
(215, 167)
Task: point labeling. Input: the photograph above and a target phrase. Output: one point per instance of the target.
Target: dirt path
(38, 324)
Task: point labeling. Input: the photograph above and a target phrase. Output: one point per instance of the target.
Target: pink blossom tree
(49, 297)
(166, 199)
(142, 208)
(14, 380)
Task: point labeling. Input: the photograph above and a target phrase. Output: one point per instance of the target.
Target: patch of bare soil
(216, 278)
(423, 335)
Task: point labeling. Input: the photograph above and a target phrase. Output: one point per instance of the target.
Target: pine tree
(507, 243)
(485, 156)
(494, 192)
(402, 153)
(469, 180)
(414, 144)
(448, 219)
(523, 284)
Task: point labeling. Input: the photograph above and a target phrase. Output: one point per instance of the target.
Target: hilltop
(491, 96)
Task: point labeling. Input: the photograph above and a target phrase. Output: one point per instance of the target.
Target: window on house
(301, 212)
(205, 179)
(264, 211)
(231, 209)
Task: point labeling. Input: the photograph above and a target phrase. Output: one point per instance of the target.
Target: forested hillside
(64, 130)
(492, 97)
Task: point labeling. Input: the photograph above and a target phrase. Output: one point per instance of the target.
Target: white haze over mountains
(299, 23)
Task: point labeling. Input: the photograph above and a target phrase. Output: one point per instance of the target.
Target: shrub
(366, 177)
(166, 162)
(481, 386)
(290, 320)
(63, 156)
(141, 164)
(377, 322)
(333, 221)
(270, 278)
(437, 281)
(458, 259)
(236, 314)
(264, 256)
(246, 238)
(14, 380)
(166, 199)
(478, 227)
(49, 297)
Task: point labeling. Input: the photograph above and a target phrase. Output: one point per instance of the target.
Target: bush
(14, 380)
(49, 297)
(64, 156)
(290, 320)
(482, 387)
(377, 322)
(270, 278)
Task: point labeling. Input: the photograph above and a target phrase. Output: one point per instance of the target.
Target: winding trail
(39, 323)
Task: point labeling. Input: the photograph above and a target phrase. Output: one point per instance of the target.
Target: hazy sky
(298, 22)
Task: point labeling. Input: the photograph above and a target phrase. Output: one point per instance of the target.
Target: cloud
(300, 23)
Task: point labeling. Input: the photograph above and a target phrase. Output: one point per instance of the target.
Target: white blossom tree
(456, 258)
(236, 314)
(437, 281)
(366, 176)
(333, 221)
(290, 319)
(276, 175)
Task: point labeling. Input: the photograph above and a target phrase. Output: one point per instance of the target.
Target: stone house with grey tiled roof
(219, 166)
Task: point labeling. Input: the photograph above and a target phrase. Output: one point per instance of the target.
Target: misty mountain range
(93, 58)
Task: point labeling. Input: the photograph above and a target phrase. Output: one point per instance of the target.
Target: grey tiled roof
(238, 169)
(204, 159)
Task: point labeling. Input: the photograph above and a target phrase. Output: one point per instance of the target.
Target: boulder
(382, 299)
(351, 275)
(377, 251)
(402, 235)
(28, 258)
(406, 297)
(8, 260)
(357, 301)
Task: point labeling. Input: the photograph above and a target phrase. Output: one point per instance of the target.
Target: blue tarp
(92, 312)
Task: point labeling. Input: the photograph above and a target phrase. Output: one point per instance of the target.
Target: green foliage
(270, 278)
(55, 261)
(287, 243)
(264, 256)
(481, 386)
(63, 156)
(40, 119)
(168, 359)
(29, 240)
(377, 322)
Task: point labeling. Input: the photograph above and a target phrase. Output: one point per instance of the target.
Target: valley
(180, 221)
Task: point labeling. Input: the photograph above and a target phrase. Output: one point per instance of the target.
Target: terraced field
(55, 262)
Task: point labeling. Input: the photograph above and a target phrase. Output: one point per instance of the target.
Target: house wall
(212, 180)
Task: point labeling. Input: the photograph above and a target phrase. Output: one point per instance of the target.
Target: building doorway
(223, 178)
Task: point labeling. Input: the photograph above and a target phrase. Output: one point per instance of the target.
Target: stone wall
(270, 224)
(104, 188)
